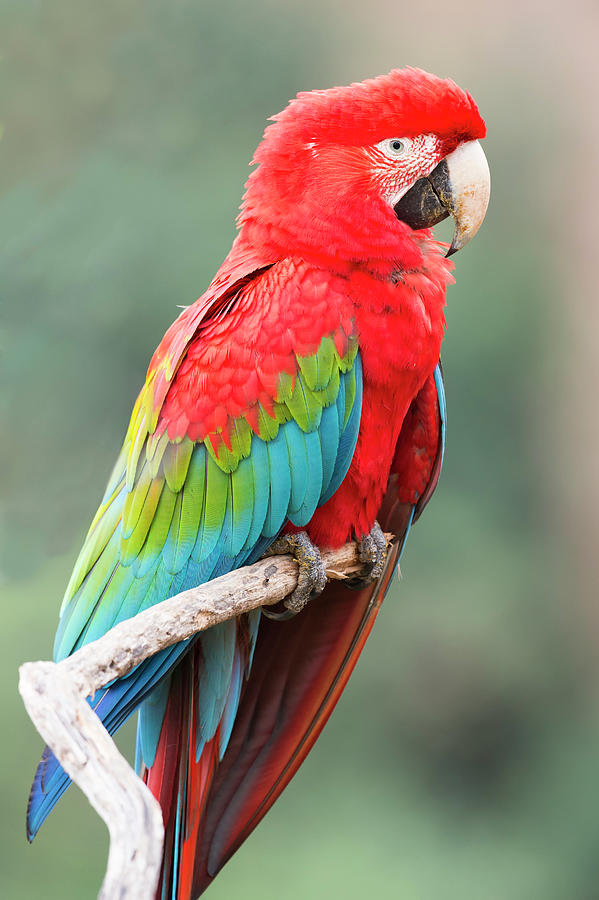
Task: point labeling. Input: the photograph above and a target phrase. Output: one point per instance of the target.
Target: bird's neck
(381, 244)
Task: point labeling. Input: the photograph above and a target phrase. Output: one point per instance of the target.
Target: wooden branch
(54, 696)
(89, 755)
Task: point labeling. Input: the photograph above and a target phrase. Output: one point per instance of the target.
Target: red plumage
(320, 252)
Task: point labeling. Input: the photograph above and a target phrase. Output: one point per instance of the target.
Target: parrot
(298, 404)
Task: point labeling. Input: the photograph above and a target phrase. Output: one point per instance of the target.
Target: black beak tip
(450, 252)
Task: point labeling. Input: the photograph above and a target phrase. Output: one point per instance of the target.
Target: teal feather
(149, 723)
(280, 484)
(226, 533)
(298, 466)
(141, 593)
(313, 483)
(328, 434)
(179, 829)
(232, 702)
(160, 586)
(218, 651)
(438, 375)
(258, 462)
(349, 434)
(105, 614)
(136, 595)
(253, 625)
(340, 404)
(205, 568)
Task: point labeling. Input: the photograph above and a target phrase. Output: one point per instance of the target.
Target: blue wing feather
(348, 428)
(328, 435)
(280, 483)
(314, 482)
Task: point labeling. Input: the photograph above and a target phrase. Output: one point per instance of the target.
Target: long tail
(179, 779)
(299, 671)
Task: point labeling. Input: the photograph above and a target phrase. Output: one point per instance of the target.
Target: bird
(298, 404)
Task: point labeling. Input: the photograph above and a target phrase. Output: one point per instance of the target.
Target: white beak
(470, 187)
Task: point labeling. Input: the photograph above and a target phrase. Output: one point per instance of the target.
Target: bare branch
(89, 755)
(54, 696)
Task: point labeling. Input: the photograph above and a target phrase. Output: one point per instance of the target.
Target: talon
(373, 553)
(312, 576)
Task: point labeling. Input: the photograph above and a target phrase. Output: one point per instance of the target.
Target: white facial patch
(396, 171)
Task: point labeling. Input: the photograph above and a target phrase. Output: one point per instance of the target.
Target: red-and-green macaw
(301, 396)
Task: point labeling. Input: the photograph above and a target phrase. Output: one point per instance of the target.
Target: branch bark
(54, 696)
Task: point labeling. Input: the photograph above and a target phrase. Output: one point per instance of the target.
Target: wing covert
(180, 510)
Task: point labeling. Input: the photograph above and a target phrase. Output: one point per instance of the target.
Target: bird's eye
(394, 147)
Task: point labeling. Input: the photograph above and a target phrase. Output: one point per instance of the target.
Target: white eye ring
(394, 147)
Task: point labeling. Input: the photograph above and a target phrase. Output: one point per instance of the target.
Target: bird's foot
(312, 576)
(372, 550)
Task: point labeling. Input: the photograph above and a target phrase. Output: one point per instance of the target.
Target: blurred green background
(463, 759)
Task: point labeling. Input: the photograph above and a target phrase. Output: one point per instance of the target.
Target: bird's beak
(459, 186)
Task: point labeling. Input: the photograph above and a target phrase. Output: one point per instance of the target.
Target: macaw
(299, 402)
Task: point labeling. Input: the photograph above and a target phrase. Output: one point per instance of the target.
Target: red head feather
(405, 102)
(312, 192)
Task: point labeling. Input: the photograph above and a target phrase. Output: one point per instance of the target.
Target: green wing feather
(178, 511)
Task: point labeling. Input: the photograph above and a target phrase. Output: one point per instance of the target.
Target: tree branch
(54, 696)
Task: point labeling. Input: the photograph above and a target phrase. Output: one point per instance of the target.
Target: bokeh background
(463, 759)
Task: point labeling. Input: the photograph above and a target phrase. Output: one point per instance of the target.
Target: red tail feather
(178, 781)
(300, 669)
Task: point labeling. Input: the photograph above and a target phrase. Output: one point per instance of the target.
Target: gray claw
(312, 576)
(373, 552)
